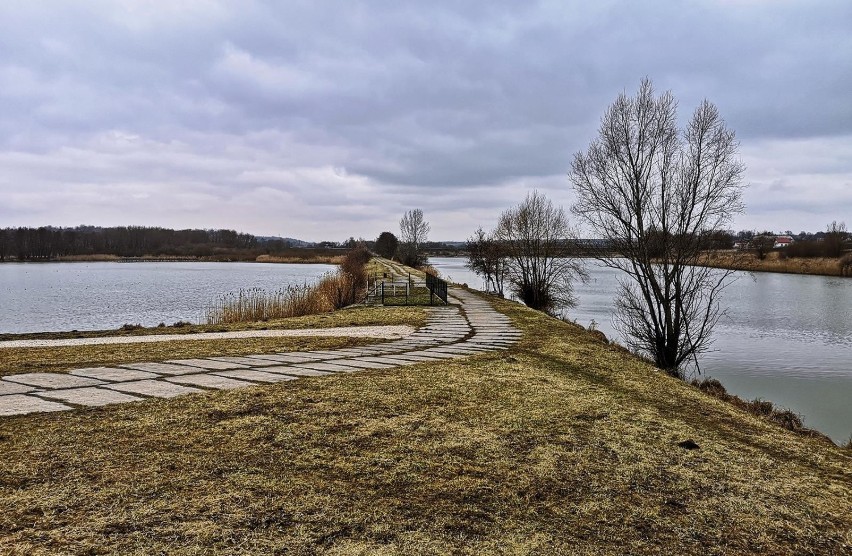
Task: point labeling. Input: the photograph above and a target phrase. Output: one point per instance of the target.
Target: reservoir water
(49, 297)
(786, 338)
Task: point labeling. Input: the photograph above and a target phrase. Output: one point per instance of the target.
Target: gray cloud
(324, 120)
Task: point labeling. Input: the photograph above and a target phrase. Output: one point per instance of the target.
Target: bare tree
(835, 237)
(487, 258)
(653, 192)
(414, 231)
(539, 244)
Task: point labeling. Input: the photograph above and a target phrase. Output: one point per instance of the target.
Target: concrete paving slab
(297, 371)
(52, 380)
(153, 388)
(325, 354)
(162, 368)
(393, 360)
(330, 367)
(362, 364)
(454, 349)
(414, 359)
(210, 381)
(89, 396)
(21, 404)
(113, 375)
(299, 357)
(433, 354)
(276, 359)
(209, 364)
(7, 388)
(449, 355)
(249, 361)
(256, 376)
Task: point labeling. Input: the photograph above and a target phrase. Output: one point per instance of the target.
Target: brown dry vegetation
(743, 260)
(561, 445)
(297, 257)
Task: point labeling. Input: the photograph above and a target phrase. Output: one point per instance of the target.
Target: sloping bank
(558, 445)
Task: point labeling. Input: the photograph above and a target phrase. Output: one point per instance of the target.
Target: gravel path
(383, 332)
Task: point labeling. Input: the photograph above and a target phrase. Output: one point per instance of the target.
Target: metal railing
(437, 287)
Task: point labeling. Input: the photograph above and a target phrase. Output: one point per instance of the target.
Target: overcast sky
(324, 120)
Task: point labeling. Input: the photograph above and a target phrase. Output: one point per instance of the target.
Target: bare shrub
(786, 418)
(338, 289)
(540, 260)
(487, 258)
(846, 265)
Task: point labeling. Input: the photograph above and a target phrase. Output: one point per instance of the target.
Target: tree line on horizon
(49, 243)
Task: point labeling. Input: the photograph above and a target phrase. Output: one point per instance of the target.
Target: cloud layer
(323, 120)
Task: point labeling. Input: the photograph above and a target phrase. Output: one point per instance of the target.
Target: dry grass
(308, 258)
(255, 304)
(89, 258)
(334, 290)
(740, 260)
(561, 445)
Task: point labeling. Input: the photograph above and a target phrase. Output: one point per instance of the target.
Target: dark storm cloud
(258, 115)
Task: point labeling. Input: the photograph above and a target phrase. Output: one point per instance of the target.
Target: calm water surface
(40, 297)
(786, 338)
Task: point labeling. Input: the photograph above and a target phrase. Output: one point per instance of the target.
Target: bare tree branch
(657, 195)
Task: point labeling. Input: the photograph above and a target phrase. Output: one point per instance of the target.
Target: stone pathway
(449, 333)
(382, 332)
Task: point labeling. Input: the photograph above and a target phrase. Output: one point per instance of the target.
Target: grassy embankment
(560, 445)
(742, 260)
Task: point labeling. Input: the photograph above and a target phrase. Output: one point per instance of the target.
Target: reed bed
(334, 290)
(256, 304)
(747, 261)
(306, 258)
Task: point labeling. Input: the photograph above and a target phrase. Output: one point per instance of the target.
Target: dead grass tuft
(784, 417)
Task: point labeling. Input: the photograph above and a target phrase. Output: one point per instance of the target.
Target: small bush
(846, 265)
(130, 327)
(712, 387)
(763, 408)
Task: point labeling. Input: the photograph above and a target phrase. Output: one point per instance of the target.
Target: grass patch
(560, 445)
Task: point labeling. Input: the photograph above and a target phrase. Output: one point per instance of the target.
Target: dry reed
(334, 290)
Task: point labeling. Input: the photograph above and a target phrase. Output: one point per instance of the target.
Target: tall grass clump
(334, 290)
(762, 408)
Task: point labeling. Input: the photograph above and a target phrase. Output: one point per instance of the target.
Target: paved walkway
(383, 332)
(450, 333)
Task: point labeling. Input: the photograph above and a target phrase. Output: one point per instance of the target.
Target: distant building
(782, 241)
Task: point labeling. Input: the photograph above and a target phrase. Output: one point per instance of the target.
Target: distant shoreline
(746, 261)
(308, 259)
